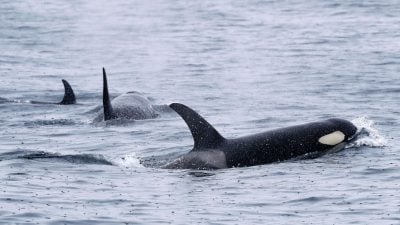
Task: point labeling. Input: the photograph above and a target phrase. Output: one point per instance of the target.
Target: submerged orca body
(130, 106)
(68, 99)
(212, 151)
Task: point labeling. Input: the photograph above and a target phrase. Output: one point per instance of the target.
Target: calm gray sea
(246, 66)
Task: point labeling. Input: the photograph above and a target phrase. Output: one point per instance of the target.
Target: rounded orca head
(345, 127)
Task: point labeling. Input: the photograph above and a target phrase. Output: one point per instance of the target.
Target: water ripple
(246, 66)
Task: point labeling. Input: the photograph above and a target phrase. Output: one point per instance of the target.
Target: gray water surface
(246, 66)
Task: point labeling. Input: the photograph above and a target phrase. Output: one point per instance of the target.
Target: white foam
(369, 136)
(130, 161)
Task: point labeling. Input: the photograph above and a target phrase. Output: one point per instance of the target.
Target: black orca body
(69, 96)
(68, 99)
(129, 106)
(212, 151)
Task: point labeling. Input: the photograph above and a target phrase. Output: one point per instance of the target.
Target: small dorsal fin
(204, 135)
(69, 96)
(108, 110)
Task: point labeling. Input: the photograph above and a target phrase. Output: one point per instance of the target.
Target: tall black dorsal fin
(205, 136)
(108, 110)
(69, 96)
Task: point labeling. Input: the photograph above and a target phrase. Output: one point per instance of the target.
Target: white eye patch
(333, 138)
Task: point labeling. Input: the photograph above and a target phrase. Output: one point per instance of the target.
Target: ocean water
(246, 66)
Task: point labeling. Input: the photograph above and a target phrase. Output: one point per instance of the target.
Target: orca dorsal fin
(204, 135)
(108, 110)
(69, 96)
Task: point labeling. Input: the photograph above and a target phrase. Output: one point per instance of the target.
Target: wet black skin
(68, 99)
(262, 148)
(127, 106)
(282, 144)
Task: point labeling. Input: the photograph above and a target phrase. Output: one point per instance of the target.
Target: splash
(368, 134)
(130, 161)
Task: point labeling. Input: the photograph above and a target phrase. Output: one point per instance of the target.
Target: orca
(212, 151)
(128, 106)
(69, 96)
(68, 99)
